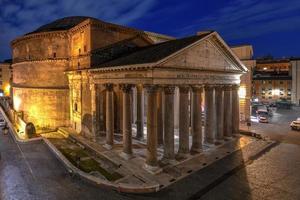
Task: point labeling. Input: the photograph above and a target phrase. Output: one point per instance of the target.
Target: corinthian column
(160, 132)
(140, 112)
(127, 122)
(220, 112)
(235, 110)
(151, 158)
(184, 120)
(196, 113)
(210, 113)
(227, 111)
(169, 123)
(109, 116)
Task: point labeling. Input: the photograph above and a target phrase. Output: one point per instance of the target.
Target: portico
(207, 74)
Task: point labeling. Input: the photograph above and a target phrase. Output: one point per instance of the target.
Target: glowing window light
(7, 90)
(17, 103)
(276, 92)
(242, 92)
(265, 68)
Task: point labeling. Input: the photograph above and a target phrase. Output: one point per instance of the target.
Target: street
(30, 171)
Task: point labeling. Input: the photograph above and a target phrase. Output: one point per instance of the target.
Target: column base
(219, 142)
(108, 146)
(180, 155)
(126, 156)
(152, 169)
(196, 150)
(209, 144)
(171, 161)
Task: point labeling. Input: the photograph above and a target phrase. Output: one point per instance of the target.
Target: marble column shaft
(160, 136)
(169, 123)
(219, 94)
(184, 120)
(127, 120)
(140, 112)
(196, 119)
(151, 157)
(227, 111)
(109, 115)
(235, 110)
(210, 113)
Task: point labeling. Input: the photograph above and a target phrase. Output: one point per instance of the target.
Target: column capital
(127, 88)
(209, 87)
(109, 86)
(169, 89)
(235, 87)
(184, 89)
(151, 88)
(227, 87)
(197, 88)
(220, 87)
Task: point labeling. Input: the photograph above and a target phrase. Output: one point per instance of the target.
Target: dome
(61, 24)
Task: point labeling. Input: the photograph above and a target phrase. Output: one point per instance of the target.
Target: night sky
(271, 26)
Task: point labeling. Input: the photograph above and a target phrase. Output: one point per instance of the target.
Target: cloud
(20, 17)
(242, 19)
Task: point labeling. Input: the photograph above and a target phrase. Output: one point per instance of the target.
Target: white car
(295, 125)
(2, 123)
(263, 119)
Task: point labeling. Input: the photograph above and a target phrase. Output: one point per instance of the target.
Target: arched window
(75, 107)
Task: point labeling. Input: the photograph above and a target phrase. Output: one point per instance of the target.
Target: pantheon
(103, 80)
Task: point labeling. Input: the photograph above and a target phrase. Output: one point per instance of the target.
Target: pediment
(208, 54)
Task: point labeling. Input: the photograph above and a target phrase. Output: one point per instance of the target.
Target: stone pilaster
(93, 88)
(169, 123)
(140, 112)
(151, 158)
(184, 120)
(210, 113)
(196, 113)
(235, 110)
(227, 111)
(109, 116)
(219, 95)
(127, 121)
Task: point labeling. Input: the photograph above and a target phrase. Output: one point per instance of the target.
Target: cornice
(41, 60)
(39, 35)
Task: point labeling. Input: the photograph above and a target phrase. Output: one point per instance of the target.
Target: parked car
(263, 119)
(2, 123)
(295, 125)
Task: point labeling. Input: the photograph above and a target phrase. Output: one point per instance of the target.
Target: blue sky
(271, 26)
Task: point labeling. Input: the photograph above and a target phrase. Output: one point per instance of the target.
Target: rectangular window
(79, 51)
(54, 55)
(84, 48)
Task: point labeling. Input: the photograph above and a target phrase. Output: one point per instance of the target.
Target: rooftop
(65, 23)
(154, 53)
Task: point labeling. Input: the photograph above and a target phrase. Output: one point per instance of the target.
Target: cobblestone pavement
(275, 175)
(278, 127)
(30, 171)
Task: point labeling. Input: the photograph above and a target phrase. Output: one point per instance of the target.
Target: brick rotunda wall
(40, 86)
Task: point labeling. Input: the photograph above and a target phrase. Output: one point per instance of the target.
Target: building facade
(5, 78)
(295, 64)
(272, 80)
(245, 54)
(40, 58)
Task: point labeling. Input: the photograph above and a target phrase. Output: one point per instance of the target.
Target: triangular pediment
(211, 53)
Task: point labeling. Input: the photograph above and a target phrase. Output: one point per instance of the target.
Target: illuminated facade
(5, 78)
(272, 80)
(245, 54)
(40, 58)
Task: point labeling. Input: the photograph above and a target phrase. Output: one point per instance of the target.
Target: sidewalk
(138, 180)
